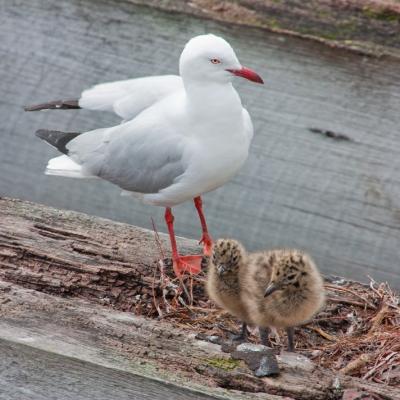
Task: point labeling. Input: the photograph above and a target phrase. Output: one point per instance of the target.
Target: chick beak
(270, 289)
(246, 73)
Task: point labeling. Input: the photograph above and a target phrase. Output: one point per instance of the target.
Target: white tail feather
(64, 166)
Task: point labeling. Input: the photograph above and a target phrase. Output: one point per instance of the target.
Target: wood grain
(73, 254)
(27, 373)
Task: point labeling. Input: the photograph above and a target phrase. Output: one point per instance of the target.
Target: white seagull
(182, 136)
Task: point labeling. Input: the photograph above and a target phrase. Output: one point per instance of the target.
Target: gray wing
(137, 160)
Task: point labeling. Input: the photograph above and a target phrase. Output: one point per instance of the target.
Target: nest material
(357, 333)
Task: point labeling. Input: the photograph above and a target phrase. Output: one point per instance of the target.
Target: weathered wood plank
(69, 253)
(130, 344)
(27, 373)
(336, 199)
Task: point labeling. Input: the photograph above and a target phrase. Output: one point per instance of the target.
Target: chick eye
(215, 61)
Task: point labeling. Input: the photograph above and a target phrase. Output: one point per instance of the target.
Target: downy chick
(226, 267)
(281, 289)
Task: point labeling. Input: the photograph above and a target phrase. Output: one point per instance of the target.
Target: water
(340, 200)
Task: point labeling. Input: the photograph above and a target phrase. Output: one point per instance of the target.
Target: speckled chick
(281, 289)
(227, 265)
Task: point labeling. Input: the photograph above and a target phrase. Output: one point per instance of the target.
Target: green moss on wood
(227, 364)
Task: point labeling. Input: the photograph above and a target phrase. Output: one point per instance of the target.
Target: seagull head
(211, 58)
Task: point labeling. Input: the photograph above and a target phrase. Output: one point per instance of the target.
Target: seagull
(181, 136)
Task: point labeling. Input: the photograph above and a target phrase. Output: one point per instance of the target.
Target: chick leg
(290, 335)
(181, 264)
(206, 239)
(243, 335)
(264, 336)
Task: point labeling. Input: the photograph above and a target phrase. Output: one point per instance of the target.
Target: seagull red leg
(181, 264)
(206, 239)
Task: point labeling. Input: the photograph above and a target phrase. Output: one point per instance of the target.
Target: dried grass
(366, 337)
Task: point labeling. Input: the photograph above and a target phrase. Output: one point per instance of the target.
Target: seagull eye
(215, 61)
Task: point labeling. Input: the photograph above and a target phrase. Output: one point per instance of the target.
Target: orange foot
(187, 264)
(207, 244)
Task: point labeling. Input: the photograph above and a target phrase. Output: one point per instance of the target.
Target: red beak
(246, 73)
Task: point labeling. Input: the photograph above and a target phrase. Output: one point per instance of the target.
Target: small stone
(259, 358)
(268, 366)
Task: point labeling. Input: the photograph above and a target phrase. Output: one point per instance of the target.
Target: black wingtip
(57, 139)
(55, 105)
(36, 107)
(42, 133)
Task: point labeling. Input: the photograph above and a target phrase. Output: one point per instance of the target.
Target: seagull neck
(213, 94)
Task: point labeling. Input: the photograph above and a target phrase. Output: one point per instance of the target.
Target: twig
(185, 290)
(371, 285)
(378, 318)
(163, 278)
(347, 301)
(384, 361)
(181, 301)
(343, 289)
(323, 333)
(356, 364)
(157, 237)
(155, 302)
(191, 290)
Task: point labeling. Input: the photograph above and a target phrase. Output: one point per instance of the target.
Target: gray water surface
(338, 199)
